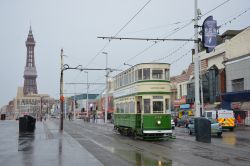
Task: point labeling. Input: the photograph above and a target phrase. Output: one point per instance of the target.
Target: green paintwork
(128, 120)
(149, 121)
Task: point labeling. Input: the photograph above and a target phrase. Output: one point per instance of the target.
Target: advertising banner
(209, 33)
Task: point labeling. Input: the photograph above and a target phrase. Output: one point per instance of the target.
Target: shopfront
(184, 109)
(239, 102)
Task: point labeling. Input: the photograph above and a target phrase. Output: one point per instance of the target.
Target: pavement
(46, 146)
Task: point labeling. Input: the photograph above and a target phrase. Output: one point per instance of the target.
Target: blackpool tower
(30, 74)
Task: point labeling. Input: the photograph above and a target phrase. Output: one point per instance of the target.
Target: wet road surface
(97, 144)
(109, 147)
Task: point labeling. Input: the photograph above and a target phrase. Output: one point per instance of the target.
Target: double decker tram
(142, 101)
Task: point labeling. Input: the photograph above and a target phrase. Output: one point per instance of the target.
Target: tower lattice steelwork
(30, 74)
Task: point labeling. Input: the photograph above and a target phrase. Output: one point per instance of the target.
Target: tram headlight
(158, 122)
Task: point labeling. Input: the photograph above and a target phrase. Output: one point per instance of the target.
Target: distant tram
(142, 101)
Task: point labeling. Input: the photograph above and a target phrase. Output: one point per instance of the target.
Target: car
(216, 128)
(172, 124)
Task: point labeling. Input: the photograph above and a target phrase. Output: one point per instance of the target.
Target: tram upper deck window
(133, 77)
(136, 75)
(157, 74)
(146, 74)
(146, 106)
(166, 74)
(140, 74)
(157, 107)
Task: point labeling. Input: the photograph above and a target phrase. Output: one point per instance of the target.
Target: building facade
(237, 96)
(214, 73)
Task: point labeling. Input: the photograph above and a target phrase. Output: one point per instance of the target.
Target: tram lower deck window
(157, 106)
(146, 105)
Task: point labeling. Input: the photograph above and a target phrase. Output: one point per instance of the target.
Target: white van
(224, 117)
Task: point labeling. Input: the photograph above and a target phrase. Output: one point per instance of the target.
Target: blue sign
(185, 106)
(209, 33)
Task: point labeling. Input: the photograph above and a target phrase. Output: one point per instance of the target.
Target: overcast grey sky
(74, 26)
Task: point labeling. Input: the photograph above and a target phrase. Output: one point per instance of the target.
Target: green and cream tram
(142, 101)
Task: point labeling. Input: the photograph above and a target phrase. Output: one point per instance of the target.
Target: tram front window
(146, 74)
(157, 107)
(157, 74)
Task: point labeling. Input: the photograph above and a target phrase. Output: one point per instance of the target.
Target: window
(132, 107)
(209, 114)
(122, 108)
(140, 74)
(126, 107)
(133, 77)
(180, 91)
(146, 74)
(136, 75)
(166, 74)
(157, 74)
(129, 78)
(238, 85)
(157, 107)
(167, 106)
(146, 105)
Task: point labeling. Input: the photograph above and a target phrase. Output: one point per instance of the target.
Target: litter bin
(3, 116)
(202, 129)
(27, 124)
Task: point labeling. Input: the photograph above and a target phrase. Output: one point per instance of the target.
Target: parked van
(224, 117)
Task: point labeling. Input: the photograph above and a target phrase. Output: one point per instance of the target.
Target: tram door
(139, 104)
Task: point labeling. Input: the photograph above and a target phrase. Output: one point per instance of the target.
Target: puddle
(140, 159)
(229, 139)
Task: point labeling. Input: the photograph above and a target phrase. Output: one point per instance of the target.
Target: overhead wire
(156, 27)
(177, 29)
(224, 24)
(107, 43)
(168, 35)
(234, 18)
(223, 3)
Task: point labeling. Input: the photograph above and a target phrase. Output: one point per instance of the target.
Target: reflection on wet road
(113, 149)
(229, 138)
(140, 159)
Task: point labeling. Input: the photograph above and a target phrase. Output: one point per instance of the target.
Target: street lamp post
(61, 93)
(87, 101)
(64, 67)
(106, 93)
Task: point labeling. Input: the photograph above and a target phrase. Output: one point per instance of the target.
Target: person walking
(94, 117)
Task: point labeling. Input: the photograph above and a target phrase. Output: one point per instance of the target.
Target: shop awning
(236, 96)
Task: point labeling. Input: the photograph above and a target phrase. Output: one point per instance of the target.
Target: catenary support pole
(196, 62)
(61, 93)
